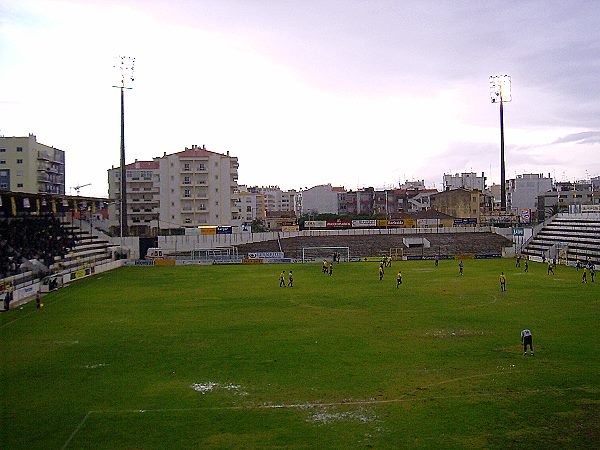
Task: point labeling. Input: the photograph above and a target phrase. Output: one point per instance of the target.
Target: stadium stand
(24, 239)
(379, 245)
(578, 234)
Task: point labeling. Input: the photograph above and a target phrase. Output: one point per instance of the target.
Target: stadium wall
(207, 242)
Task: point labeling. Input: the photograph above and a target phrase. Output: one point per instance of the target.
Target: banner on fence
(257, 255)
(362, 223)
(315, 224)
(465, 221)
(339, 224)
(252, 261)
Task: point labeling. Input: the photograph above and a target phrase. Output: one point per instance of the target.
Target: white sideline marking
(315, 405)
(68, 441)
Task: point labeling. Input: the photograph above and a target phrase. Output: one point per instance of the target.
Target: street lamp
(125, 66)
(500, 92)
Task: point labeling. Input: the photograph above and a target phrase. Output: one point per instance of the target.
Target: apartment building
(467, 180)
(563, 196)
(143, 196)
(522, 192)
(249, 205)
(199, 187)
(273, 198)
(29, 166)
(323, 199)
(459, 203)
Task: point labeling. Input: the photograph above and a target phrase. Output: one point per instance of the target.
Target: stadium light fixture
(125, 67)
(501, 92)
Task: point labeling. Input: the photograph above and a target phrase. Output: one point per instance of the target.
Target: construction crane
(77, 188)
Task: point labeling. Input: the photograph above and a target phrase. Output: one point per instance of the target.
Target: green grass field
(345, 361)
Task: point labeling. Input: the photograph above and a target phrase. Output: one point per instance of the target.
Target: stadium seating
(579, 234)
(379, 245)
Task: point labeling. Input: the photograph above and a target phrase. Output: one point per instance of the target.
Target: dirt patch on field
(210, 386)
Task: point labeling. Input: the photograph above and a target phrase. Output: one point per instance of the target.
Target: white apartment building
(143, 196)
(321, 199)
(272, 198)
(28, 166)
(249, 202)
(523, 191)
(199, 187)
(467, 180)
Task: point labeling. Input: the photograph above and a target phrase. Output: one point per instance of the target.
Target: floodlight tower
(125, 66)
(500, 92)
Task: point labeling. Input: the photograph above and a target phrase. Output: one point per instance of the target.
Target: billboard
(315, 224)
(364, 223)
(525, 215)
(339, 224)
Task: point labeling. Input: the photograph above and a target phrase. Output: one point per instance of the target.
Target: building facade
(459, 203)
(522, 192)
(199, 187)
(143, 196)
(321, 199)
(562, 196)
(467, 180)
(29, 166)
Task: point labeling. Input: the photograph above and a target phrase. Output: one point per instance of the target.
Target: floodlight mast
(500, 92)
(125, 65)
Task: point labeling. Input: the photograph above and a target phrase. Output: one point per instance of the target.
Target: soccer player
(502, 282)
(518, 261)
(324, 269)
(527, 339)
(550, 268)
(592, 271)
(380, 272)
(584, 275)
(282, 279)
(460, 267)
(291, 278)
(330, 269)
(526, 265)
(398, 279)
(436, 261)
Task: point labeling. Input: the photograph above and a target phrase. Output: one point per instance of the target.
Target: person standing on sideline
(460, 267)
(526, 265)
(503, 282)
(380, 272)
(6, 300)
(527, 339)
(282, 279)
(291, 278)
(592, 271)
(398, 279)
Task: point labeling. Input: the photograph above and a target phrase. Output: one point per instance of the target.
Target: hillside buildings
(29, 166)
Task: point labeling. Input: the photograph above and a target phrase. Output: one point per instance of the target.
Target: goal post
(320, 253)
(396, 253)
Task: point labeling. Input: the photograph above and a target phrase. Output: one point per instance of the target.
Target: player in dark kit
(460, 267)
(527, 339)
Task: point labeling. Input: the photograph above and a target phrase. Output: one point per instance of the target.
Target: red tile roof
(196, 152)
(142, 165)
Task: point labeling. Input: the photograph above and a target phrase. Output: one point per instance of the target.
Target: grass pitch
(221, 357)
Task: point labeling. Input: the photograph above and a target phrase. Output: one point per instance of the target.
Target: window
(186, 167)
(188, 220)
(201, 166)
(187, 193)
(248, 208)
(19, 185)
(19, 161)
(3, 186)
(2, 161)
(2, 150)
(186, 180)
(20, 149)
(19, 173)
(217, 202)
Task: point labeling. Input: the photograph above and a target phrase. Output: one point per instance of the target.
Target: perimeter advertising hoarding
(315, 224)
(465, 221)
(339, 224)
(361, 223)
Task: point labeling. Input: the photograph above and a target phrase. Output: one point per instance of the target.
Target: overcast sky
(304, 92)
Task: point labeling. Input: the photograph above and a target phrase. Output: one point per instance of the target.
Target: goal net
(331, 254)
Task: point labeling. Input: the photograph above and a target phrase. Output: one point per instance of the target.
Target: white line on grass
(68, 441)
(307, 405)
